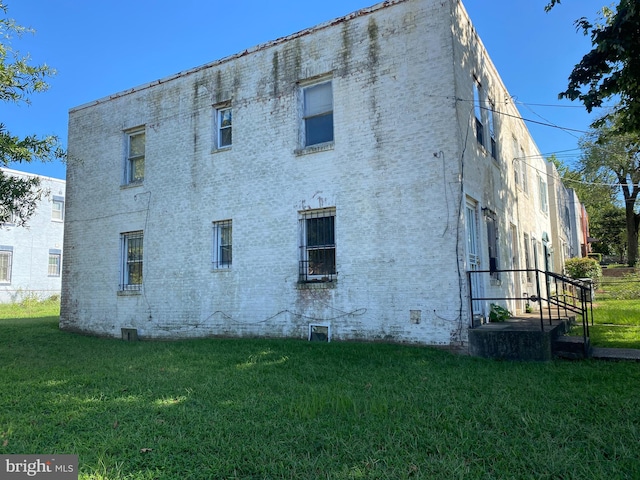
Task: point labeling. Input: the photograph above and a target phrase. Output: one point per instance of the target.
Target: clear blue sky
(103, 47)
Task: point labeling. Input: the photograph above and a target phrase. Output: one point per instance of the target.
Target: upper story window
(318, 113)
(57, 209)
(224, 125)
(317, 245)
(492, 129)
(134, 170)
(524, 170)
(544, 201)
(6, 261)
(222, 244)
(131, 261)
(477, 109)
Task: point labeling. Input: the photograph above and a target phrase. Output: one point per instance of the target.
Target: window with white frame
(544, 201)
(524, 168)
(57, 210)
(55, 257)
(132, 260)
(134, 170)
(222, 244)
(318, 113)
(527, 258)
(516, 160)
(224, 125)
(6, 261)
(317, 245)
(477, 108)
(492, 129)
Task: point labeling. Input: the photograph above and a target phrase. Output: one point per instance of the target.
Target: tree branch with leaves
(19, 79)
(611, 70)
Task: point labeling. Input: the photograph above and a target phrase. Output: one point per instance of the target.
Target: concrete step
(565, 346)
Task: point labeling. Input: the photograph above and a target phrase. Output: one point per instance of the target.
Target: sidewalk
(615, 354)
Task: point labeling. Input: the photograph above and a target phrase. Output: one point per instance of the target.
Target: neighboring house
(31, 255)
(338, 183)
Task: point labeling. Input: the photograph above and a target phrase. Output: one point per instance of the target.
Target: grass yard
(616, 324)
(286, 409)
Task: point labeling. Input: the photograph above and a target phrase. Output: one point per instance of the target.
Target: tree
(611, 70)
(18, 81)
(598, 190)
(609, 154)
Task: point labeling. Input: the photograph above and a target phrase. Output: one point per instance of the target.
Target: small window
(6, 261)
(132, 260)
(318, 114)
(492, 129)
(222, 244)
(524, 167)
(224, 127)
(57, 211)
(492, 242)
(527, 258)
(544, 202)
(317, 245)
(477, 108)
(55, 257)
(135, 157)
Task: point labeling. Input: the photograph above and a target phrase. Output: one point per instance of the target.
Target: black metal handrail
(569, 295)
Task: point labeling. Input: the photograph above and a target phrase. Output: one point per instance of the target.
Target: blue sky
(102, 47)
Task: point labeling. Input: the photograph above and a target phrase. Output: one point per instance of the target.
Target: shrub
(498, 313)
(584, 268)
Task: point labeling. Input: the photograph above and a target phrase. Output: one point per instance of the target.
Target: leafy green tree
(611, 70)
(18, 81)
(608, 154)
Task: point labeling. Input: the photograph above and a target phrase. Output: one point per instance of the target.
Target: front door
(473, 254)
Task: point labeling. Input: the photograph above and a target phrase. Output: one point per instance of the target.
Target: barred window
(317, 245)
(132, 260)
(6, 260)
(55, 257)
(222, 244)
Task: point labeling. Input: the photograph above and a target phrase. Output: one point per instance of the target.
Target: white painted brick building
(342, 176)
(31, 255)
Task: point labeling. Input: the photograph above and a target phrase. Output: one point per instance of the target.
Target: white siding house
(31, 255)
(340, 181)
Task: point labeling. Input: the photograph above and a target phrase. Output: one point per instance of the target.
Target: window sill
(129, 293)
(131, 185)
(220, 269)
(221, 149)
(321, 147)
(317, 285)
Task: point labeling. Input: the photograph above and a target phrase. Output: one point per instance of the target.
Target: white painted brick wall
(399, 231)
(31, 246)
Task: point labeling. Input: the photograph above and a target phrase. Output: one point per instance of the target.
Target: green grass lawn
(616, 324)
(272, 409)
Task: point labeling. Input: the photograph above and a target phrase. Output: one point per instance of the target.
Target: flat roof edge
(263, 46)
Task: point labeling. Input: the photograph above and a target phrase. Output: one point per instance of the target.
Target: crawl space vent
(319, 333)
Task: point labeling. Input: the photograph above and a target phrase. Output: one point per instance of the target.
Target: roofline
(263, 46)
(10, 171)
